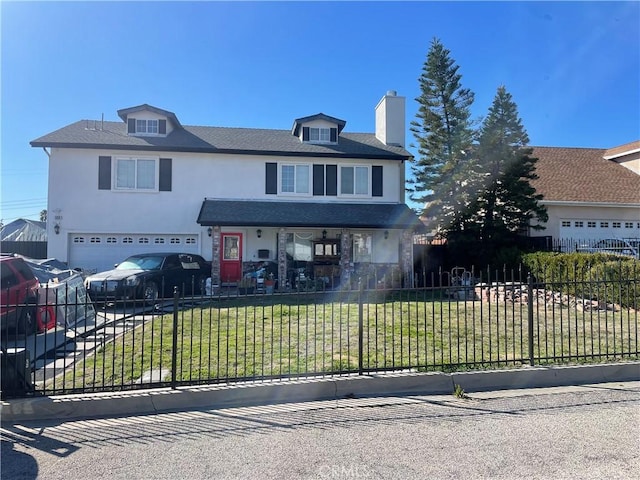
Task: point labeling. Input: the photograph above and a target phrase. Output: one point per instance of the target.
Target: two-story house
(314, 195)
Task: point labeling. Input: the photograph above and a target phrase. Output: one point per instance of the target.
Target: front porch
(309, 246)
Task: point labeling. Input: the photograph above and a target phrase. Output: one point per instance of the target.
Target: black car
(149, 276)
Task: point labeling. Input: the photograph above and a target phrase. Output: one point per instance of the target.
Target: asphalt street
(551, 433)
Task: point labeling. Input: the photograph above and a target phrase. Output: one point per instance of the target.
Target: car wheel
(150, 292)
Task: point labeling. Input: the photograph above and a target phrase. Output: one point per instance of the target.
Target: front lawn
(276, 336)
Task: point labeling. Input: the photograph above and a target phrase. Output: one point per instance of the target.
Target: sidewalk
(311, 389)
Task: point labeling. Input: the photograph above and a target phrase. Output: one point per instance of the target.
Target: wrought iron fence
(464, 320)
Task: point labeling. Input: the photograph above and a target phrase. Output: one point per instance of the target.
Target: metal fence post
(174, 346)
(530, 316)
(360, 327)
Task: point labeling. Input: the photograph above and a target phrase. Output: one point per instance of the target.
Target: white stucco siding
(74, 195)
(319, 123)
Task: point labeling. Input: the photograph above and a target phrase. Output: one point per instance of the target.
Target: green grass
(295, 335)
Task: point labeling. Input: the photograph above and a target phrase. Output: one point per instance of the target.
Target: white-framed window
(591, 224)
(95, 240)
(604, 224)
(190, 241)
(299, 246)
(112, 240)
(175, 241)
(78, 239)
(127, 240)
(566, 223)
(158, 240)
(143, 240)
(146, 126)
(295, 179)
(617, 225)
(354, 180)
(362, 247)
(320, 135)
(578, 224)
(136, 174)
(628, 224)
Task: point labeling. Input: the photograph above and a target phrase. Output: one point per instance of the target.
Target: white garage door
(579, 229)
(95, 252)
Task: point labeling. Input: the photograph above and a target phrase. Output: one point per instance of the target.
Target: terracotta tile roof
(627, 147)
(583, 175)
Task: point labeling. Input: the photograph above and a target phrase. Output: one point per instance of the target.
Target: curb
(304, 390)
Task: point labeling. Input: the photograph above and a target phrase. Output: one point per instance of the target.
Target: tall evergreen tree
(506, 202)
(443, 130)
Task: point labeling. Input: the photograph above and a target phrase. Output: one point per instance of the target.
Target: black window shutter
(334, 135)
(164, 183)
(131, 125)
(332, 180)
(305, 134)
(271, 181)
(376, 180)
(162, 127)
(318, 179)
(104, 173)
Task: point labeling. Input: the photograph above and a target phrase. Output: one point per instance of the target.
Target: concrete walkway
(303, 390)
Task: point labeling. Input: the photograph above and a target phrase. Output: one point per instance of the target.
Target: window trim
(321, 132)
(354, 194)
(295, 166)
(142, 127)
(354, 257)
(156, 174)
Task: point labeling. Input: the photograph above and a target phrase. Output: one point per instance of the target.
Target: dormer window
(147, 120)
(320, 135)
(319, 128)
(141, 126)
(146, 126)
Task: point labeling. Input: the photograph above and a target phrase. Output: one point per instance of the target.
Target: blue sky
(573, 68)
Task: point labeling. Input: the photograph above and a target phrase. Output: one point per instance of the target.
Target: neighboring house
(237, 196)
(590, 193)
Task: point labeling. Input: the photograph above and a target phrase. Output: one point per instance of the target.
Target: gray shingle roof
(113, 135)
(305, 214)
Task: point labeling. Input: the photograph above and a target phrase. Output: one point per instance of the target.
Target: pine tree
(506, 201)
(444, 133)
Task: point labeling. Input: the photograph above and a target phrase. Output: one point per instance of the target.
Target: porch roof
(306, 214)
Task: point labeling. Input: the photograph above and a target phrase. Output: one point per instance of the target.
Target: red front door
(231, 257)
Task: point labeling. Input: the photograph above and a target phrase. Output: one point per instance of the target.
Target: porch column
(345, 257)
(282, 259)
(406, 260)
(215, 256)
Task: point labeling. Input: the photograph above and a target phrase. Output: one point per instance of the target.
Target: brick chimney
(390, 121)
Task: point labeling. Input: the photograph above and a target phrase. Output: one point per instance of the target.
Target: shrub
(603, 277)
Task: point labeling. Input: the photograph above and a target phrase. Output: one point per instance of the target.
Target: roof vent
(391, 93)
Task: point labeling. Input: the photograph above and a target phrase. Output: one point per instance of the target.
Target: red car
(19, 309)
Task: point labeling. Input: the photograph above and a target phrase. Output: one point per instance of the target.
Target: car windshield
(141, 263)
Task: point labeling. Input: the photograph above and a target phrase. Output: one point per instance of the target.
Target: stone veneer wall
(282, 258)
(345, 257)
(406, 260)
(215, 255)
